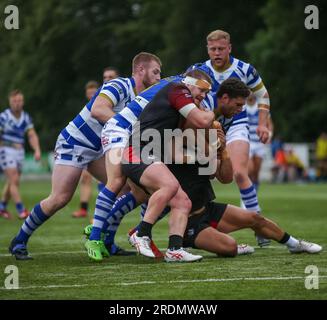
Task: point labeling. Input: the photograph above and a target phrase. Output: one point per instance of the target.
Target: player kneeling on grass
(209, 222)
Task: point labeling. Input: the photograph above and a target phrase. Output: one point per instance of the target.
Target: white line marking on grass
(165, 282)
(215, 280)
(55, 286)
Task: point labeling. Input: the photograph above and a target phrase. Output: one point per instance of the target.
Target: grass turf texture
(62, 270)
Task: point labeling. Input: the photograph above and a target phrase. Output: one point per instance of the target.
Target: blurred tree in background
(62, 44)
(292, 61)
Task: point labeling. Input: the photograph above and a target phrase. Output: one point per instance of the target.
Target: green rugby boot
(87, 230)
(93, 248)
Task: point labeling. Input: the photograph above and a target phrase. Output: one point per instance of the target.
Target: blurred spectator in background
(110, 73)
(321, 156)
(279, 169)
(295, 167)
(276, 144)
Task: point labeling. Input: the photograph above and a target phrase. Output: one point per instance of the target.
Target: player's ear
(142, 68)
(225, 98)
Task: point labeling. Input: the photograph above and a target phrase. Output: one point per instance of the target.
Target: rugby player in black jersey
(174, 103)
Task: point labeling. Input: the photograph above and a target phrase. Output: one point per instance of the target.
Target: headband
(200, 83)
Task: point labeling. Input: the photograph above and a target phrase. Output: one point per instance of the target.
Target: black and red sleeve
(180, 97)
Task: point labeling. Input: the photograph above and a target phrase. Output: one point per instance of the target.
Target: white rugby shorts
(11, 158)
(257, 149)
(238, 132)
(113, 136)
(74, 155)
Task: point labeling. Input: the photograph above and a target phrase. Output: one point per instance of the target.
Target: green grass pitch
(62, 270)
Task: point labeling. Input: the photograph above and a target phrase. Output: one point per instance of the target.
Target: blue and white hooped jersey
(253, 116)
(85, 130)
(238, 69)
(12, 130)
(126, 118)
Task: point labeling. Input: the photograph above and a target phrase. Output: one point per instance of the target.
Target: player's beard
(146, 81)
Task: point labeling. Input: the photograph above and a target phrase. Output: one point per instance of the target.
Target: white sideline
(216, 280)
(166, 282)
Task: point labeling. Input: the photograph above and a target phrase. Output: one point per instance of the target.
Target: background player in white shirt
(110, 73)
(15, 123)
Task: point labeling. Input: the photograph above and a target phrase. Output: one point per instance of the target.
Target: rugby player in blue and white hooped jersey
(224, 66)
(257, 148)
(79, 146)
(15, 123)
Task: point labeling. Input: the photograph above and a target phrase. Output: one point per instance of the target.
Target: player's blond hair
(144, 58)
(218, 35)
(14, 93)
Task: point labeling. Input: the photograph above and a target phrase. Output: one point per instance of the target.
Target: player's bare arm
(199, 118)
(33, 140)
(102, 109)
(262, 97)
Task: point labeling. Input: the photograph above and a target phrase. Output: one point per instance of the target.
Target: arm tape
(262, 96)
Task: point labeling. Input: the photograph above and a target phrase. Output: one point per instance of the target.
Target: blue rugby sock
(250, 199)
(123, 205)
(20, 207)
(3, 205)
(101, 186)
(103, 206)
(36, 218)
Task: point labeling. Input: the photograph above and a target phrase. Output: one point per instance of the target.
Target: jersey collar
(18, 120)
(132, 80)
(231, 60)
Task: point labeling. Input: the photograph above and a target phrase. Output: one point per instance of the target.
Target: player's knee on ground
(229, 248)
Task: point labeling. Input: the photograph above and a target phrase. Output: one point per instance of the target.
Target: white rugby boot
(243, 249)
(305, 246)
(181, 255)
(142, 245)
